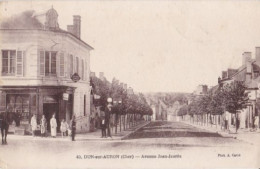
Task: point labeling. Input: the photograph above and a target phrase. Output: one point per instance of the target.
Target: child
(63, 127)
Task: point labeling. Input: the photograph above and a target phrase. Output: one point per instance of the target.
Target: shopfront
(22, 103)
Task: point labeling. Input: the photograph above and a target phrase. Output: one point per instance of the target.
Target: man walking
(108, 112)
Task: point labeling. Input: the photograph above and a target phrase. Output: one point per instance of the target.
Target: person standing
(108, 112)
(103, 127)
(43, 126)
(34, 124)
(73, 128)
(53, 124)
(63, 127)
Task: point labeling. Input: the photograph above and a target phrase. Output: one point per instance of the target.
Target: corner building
(37, 64)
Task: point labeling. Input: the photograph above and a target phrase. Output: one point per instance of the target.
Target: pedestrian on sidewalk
(73, 128)
(103, 127)
(43, 126)
(63, 127)
(53, 124)
(108, 112)
(34, 124)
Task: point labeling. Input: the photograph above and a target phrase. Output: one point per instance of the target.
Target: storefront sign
(75, 77)
(65, 96)
(50, 99)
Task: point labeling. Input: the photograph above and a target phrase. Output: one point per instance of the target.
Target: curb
(135, 130)
(226, 135)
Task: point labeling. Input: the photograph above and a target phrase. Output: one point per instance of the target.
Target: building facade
(248, 73)
(45, 71)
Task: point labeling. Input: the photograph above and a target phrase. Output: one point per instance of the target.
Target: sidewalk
(90, 136)
(251, 137)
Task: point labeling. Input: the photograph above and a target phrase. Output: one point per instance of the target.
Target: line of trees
(207, 108)
(126, 108)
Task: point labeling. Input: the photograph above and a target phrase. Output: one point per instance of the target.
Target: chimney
(70, 29)
(77, 25)
(246, 57)
(75, 29)
(224, 74)
(248, 71)
(257, 54)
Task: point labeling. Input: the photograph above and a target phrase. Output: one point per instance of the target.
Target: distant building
(172, 112)
(201, 90)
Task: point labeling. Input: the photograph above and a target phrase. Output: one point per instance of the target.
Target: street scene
(118, 84)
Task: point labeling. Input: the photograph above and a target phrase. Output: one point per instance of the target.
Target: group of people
(64, 127)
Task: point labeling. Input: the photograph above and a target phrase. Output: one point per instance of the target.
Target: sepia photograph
(128, 84)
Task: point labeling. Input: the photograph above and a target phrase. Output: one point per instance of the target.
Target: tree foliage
(131, 104)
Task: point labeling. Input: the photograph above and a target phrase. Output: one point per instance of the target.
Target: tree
(235, 98)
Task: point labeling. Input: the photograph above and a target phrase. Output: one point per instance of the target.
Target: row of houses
(249, 73)
(44, 69)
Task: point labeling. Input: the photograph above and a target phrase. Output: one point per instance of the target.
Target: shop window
(19, 104)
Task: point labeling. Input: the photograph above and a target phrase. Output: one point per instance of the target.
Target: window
(12, 62)
(83, 73)
(50, 63)
(84, 105)
(62, 65)
(8, 62)
(77, 65)
(71, 65)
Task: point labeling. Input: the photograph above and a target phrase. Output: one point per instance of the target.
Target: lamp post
(120, 102)
(116, 114)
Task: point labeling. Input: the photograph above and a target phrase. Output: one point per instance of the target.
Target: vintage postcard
(143, 84)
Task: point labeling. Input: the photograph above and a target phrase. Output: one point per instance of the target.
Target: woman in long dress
(53, 124)
(43, 126)
(34, 124)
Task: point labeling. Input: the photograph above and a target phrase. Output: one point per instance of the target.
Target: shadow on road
(163, 129)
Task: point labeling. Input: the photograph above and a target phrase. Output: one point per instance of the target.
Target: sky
(159, 46)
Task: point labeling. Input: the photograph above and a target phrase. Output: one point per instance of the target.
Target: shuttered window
(41, 63)
(2, 102)
(62, 65)
(77, 65)
(19, 63)
(8, 62)
(71, 65)
(83, 69)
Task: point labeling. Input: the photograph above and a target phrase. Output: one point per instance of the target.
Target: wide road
(180, 144)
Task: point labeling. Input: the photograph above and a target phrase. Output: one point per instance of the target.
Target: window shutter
(83, 69)
(62, 67)
(2, 102)
(19, 63)
(41, 63)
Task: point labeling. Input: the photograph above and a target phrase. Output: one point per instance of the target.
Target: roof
(27, 21)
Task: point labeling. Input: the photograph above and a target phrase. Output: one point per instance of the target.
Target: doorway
(48, 110)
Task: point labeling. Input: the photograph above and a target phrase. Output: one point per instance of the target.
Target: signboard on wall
(65, 96)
